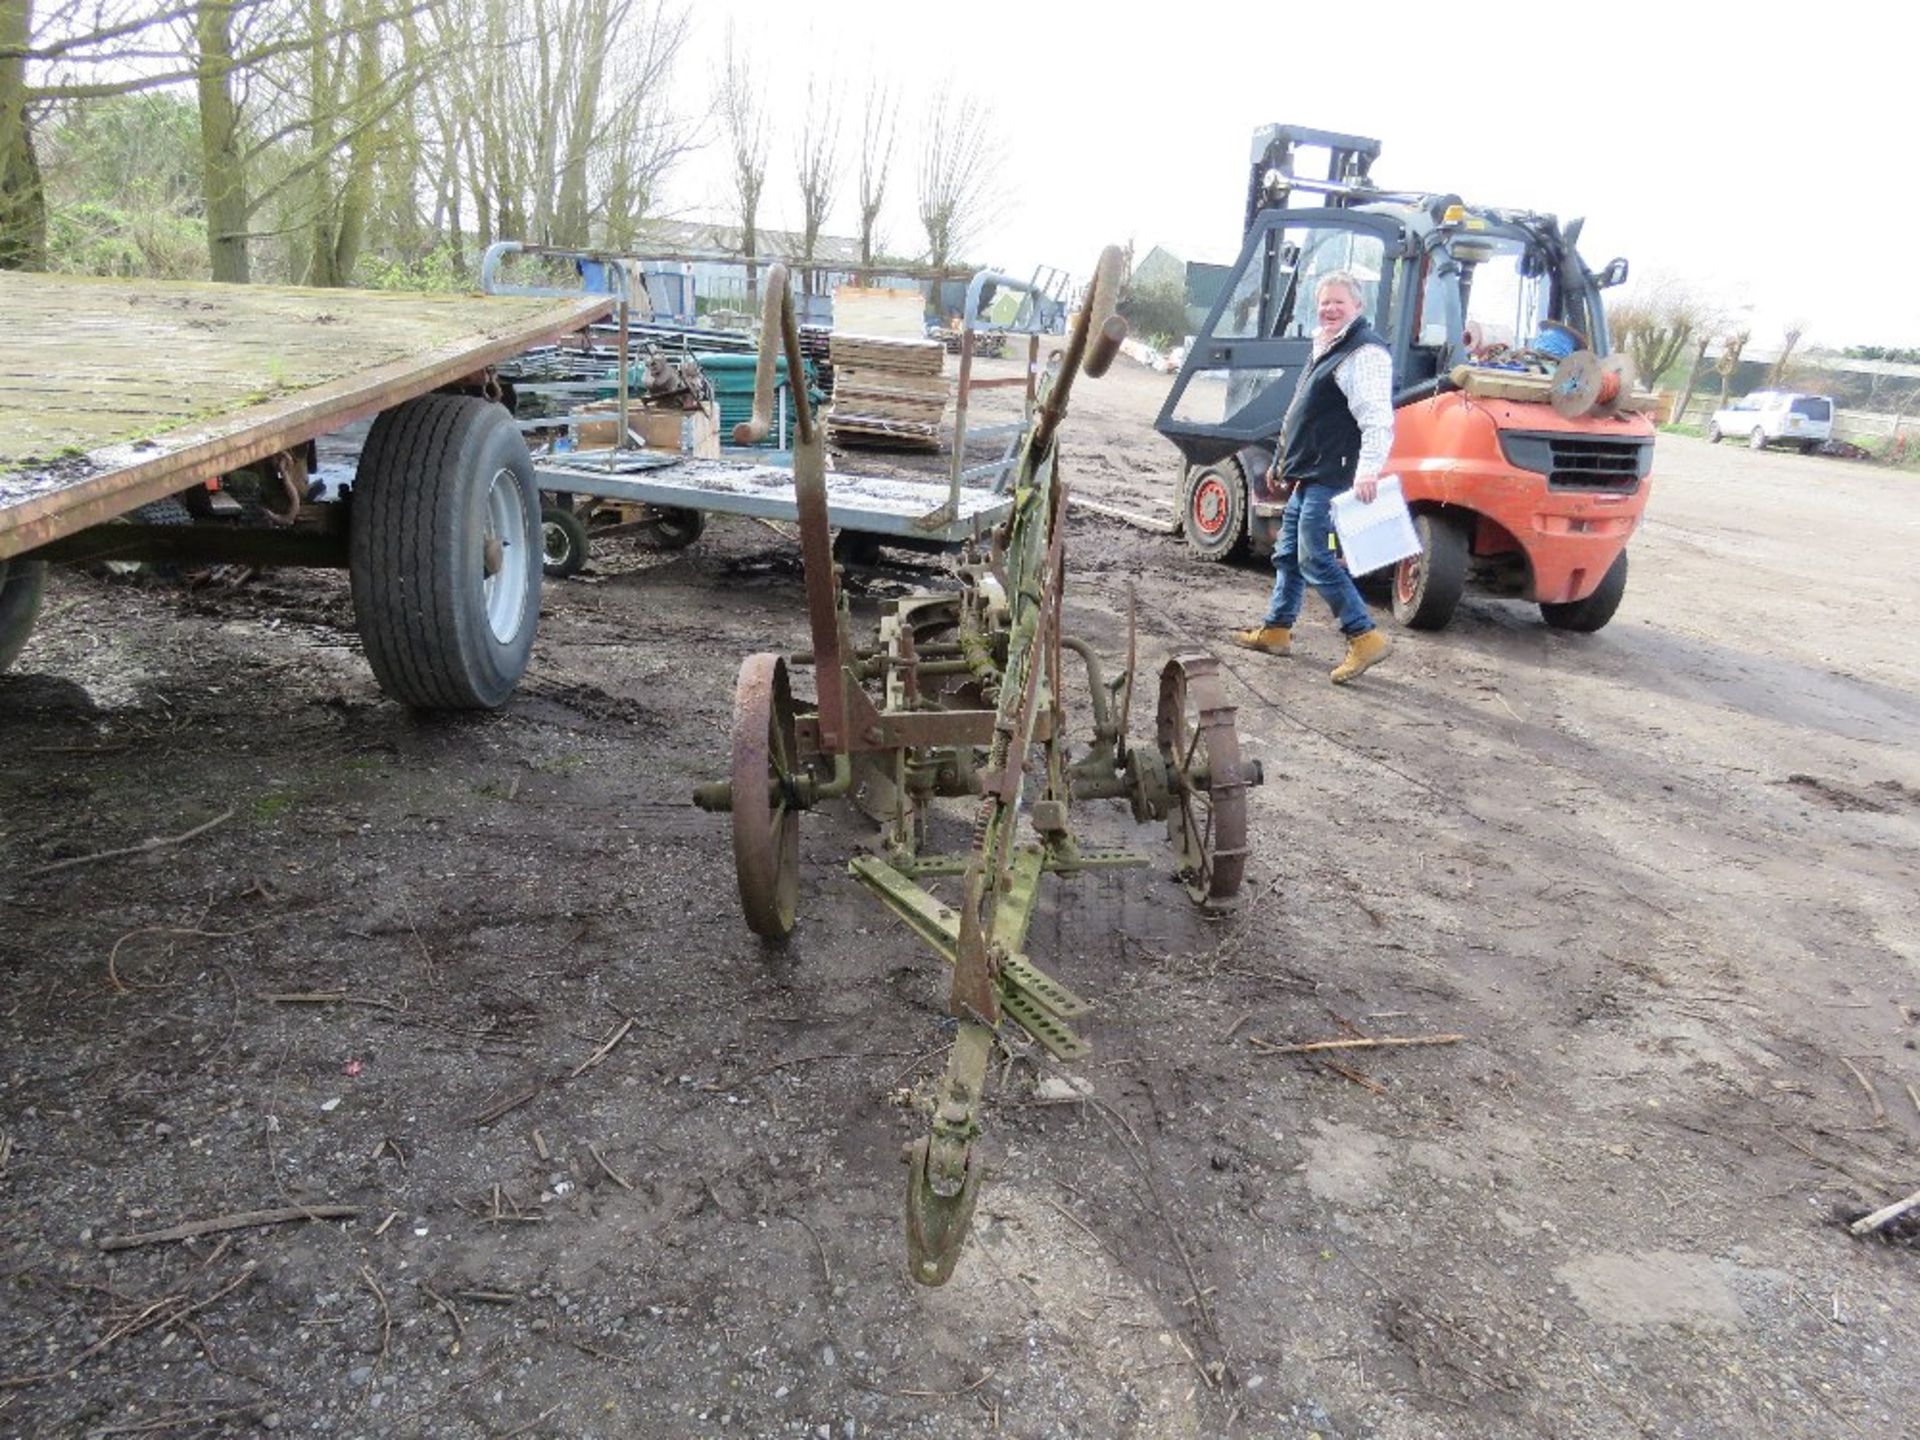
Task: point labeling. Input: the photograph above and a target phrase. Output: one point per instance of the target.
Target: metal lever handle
(779, 333)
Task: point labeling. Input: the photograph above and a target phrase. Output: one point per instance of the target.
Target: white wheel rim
(505, 590)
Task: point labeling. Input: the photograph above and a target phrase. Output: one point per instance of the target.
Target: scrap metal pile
(961, 696)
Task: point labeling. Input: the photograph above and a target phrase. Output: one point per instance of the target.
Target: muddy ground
(1661, 880)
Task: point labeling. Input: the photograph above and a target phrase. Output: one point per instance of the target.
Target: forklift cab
(1440, 285)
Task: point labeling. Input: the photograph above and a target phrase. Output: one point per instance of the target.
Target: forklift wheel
(1588, 615)
(1427, 587)
(1213, 510)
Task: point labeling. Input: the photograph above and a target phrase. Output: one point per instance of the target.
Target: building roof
(720, 240)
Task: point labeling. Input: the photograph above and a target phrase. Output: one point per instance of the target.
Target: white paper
(1377, 535)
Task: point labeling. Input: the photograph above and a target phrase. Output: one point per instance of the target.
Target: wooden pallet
(881, 430)
(906, 357)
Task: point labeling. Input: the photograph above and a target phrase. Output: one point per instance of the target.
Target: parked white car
(1775, 417)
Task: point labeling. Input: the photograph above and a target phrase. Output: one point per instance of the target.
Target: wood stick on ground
(155, 842)
(386, 1224)
(1867, 1224)
(386, 1313)
(940, 1394)
(459, 1325)
(199, 1419)
(826, 1270)
(1267, 1047)
(611, 1173)
(1912, 1094)
(166, 1312)
(1358, 1077)
(1873, 1095)
(1234, 1028)
(185, 932)
(487, 1297)
(512, 1102)
(540, 1146)
(1088, 1230)
(604, 1051)
(327, 997)
(244, 1220)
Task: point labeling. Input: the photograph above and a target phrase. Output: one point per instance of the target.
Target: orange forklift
(1521, 446)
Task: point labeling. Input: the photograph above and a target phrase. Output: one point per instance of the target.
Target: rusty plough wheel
(1207, 819)
(766, 813)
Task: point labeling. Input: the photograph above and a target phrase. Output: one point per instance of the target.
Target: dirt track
(1661, 879)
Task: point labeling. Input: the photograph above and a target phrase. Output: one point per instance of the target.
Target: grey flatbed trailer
(867, 504)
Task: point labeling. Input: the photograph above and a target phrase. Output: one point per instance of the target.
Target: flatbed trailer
(202, 402)
(866, 510)
(175, 421)
(866, 504)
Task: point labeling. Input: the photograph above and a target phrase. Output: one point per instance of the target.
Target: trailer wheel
(563, 542)
(1588, 615)
(1213, 510)
(445, 553)
(673, 527)
(1427, 586)
(23, 583)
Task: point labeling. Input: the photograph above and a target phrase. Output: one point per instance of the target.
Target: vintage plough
(962, 697)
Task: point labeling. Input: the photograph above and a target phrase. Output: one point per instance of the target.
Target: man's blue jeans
(1304, 555)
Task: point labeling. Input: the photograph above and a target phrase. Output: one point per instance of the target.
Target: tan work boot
(1271, 639)
(1364, 651)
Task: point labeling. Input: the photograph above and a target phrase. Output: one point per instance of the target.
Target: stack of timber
(887, 392)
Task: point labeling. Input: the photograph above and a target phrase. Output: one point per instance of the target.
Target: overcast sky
(1765, 153)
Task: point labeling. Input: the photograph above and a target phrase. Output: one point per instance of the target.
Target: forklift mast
(1274, 179)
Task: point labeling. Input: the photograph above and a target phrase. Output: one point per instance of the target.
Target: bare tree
(1796, 331)
(23, 201)
(1729, 361)
(1656, 323)
(745, 124)
(958, 155)
(554, 152)
(879, 128)
(223, 163)
(817, 164)
(645, 135)
(76, 50)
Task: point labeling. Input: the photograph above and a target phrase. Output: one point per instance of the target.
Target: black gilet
(1322, 443)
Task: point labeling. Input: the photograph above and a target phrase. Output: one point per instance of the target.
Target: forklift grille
(1580, 462)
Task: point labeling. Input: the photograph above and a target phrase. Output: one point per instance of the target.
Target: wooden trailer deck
(116, 393)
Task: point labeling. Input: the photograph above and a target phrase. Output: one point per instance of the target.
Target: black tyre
(858, 549)
(563, 542)
(1713, 433)
(1757, 440)
(1809, 447)
(1213, 510)
(673, 528)
(1427, 586)
(1588, 615)
(445, 553)
(23, 584)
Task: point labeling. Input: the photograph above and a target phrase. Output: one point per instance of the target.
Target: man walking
(1337, 433)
